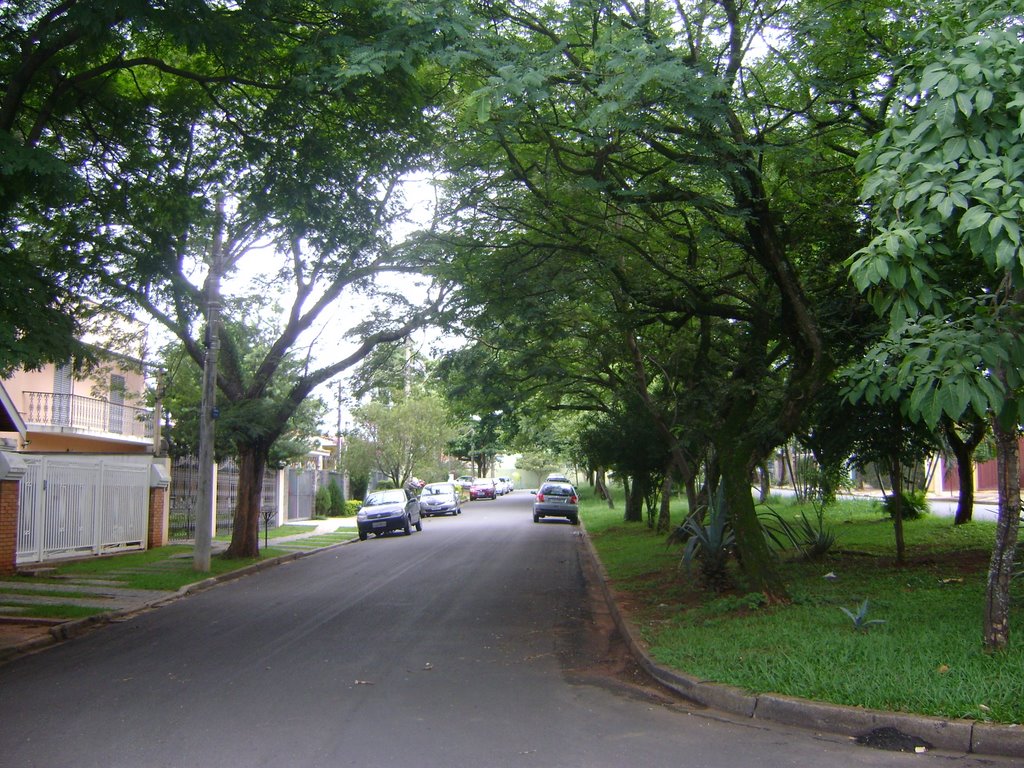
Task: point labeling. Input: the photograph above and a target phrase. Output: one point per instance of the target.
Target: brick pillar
(159, 499)
(8, 525)
(157, 518)
(12, 469)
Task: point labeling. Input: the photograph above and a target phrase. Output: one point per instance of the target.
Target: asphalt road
(474, 643)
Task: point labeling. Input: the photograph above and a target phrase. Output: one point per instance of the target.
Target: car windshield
(436, 490)
(385, 497)
(556, 490)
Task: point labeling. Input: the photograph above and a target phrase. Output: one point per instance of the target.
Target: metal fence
(185, 496)
(81, 505)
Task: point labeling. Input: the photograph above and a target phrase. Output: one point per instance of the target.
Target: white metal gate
(80, 506)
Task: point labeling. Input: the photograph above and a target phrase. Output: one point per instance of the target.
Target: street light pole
(207, 492)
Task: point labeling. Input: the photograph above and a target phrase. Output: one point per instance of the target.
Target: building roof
(10, 419)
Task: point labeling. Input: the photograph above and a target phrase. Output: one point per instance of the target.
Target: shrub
(337, 498)
(811, 539)
(322, 501)
(710, 544)
(352, 506)
(915, 505)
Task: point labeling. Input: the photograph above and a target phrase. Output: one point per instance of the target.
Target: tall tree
(946, 183)
(304, 117)
(409, 433)
(652, 154)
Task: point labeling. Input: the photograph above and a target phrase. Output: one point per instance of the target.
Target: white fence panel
(124, 494)
(29, 511)
(82, 505)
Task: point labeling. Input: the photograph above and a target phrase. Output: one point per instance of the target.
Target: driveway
(473, 643)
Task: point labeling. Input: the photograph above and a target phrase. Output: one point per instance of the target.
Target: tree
(946, 183)
(641, 160)
(181, 398)
(303, 120)
(963, 438)
(408, 434)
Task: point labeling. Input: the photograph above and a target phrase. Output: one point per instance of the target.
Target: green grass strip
(926, 657)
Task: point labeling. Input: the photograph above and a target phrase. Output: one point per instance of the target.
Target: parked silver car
(556, 500)
(389, 510)
(439, 499)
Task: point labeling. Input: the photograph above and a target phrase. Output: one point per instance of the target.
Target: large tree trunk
(896, 480)
(752, 550)
(601, 487)
(245, 535)
(636, 491)
(963, 452)
(664, 524)
(997, 591)
(965, 474)
(692, 499)
(764, 476)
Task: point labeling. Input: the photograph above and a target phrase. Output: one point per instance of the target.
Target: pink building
(97, 410)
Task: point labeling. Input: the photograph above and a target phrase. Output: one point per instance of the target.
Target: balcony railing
(87, 414)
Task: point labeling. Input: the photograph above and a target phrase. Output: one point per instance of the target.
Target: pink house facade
(80, 466)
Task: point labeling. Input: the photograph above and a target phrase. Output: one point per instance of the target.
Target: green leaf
(965, 103)
(483, 109)
(976, 216)
(948, 85)
(954, 148)
(983, 99)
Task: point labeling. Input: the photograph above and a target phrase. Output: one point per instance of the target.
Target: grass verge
(926, 657)
(162, 569)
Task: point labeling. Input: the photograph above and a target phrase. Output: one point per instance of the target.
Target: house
(96, 410)
(81, 450)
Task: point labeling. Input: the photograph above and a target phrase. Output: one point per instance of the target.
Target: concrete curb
(966, 736)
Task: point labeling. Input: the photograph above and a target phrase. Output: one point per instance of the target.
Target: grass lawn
(926, 657)
(164, 568)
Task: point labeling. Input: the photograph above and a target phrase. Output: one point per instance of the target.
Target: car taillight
(573, 500)
(540, 497)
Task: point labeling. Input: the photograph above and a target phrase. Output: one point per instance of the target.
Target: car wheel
(536, 517)
(407, 528)
(574, 520)
(363, 536)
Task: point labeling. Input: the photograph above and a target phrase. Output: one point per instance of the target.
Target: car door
(412, 508)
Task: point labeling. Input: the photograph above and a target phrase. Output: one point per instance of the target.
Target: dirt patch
(597, 654)
(15, 636)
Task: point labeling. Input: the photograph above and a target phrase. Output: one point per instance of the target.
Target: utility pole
(337, 451)
(208, 408)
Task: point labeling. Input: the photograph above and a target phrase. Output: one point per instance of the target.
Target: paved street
(474, 643)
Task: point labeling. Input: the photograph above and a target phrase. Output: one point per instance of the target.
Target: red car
(482, 488)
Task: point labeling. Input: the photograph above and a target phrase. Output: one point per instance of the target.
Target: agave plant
(860, 619)
(812, 539)
(709, 543)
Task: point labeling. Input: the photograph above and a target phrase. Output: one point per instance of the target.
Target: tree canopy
(946, 267)
(663, 195)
